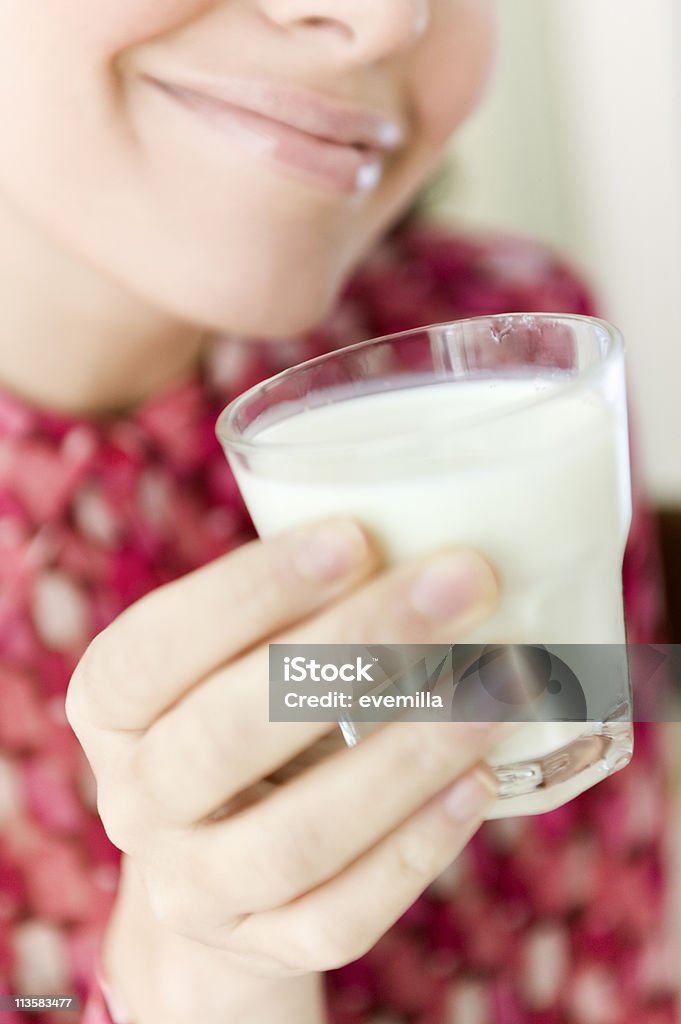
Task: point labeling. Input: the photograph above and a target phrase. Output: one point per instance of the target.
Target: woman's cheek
(121, 24)
(450, 71)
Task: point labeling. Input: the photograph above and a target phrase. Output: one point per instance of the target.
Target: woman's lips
(341, 148)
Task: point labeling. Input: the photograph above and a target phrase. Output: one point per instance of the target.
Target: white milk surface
(526, 471)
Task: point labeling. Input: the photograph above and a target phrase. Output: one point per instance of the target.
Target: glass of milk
(505, 433)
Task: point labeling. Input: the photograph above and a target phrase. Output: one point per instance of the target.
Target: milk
(531, 472)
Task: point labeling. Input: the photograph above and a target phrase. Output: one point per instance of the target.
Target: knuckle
(414, 859)
(120, 817)
(117, 669)
(73, 702)
(173, 904)
(325, 945)
(182, 897)
(92, 680)
(81, 684)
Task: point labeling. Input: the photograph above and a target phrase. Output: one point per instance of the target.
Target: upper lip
(307, 111)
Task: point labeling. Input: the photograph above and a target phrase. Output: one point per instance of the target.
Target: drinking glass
(507, 434)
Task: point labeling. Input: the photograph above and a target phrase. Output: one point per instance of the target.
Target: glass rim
(233, 440)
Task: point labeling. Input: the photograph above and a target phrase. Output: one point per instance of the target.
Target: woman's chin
(259, 321)
(283, 309)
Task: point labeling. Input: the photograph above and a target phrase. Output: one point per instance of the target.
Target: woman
(172, 171)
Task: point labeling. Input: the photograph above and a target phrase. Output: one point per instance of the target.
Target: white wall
(579, 143)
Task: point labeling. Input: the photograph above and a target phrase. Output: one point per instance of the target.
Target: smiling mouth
(339, 148)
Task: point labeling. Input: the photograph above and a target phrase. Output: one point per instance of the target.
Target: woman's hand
(273, 843)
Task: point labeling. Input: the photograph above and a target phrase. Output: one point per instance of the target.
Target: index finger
(165, 643)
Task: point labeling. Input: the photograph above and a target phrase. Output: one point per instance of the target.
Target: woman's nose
(368, 30)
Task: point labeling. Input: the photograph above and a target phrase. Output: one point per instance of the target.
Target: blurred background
(579, 145)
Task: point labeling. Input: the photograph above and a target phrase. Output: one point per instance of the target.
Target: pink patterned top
(541, 920)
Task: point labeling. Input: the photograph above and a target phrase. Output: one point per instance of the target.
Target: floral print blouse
(556, 919)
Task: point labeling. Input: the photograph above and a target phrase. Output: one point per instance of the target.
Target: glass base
(545, 783)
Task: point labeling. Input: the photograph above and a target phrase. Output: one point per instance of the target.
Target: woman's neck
(73, 341)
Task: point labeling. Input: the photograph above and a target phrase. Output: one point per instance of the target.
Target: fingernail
(470, 796)
(453, 586)
(329, 552)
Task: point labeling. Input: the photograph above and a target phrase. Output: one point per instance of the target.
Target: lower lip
(339, 167)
